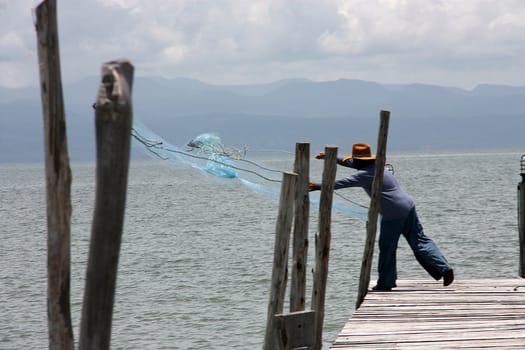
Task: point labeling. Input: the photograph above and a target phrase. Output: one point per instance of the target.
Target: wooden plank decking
(421, 314)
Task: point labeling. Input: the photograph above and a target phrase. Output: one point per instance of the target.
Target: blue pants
(425, 250)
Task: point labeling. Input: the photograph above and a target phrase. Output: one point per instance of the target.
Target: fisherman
(398, 216)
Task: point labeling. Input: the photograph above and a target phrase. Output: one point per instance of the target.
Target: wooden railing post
(521, 217)
(300, 228)
(280, 258)
(373, 211)
(322, 243)
(58, 179)
(294, 331)
(113, 131)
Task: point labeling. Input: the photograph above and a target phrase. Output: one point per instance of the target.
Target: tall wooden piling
(521, 217)
(113, 132)
(373, 211)
(322, 243)
(58, 179)
(300, 231)
(280, 258)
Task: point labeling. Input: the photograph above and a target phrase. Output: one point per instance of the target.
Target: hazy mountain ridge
(279, 114)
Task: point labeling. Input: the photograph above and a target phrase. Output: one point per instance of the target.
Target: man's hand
(319, 155)
(312, 186)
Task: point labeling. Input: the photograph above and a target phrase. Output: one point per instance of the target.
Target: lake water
(197, 252)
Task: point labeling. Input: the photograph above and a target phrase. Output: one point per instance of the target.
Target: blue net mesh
(207, 153)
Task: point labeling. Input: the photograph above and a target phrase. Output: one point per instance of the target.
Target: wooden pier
(422, 314)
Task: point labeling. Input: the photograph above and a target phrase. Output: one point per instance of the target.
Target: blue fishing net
(206, 152)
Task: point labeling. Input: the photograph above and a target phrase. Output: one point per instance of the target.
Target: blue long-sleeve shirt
(395, 203)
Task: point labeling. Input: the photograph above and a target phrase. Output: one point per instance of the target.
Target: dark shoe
(448, 277)
(381, 289)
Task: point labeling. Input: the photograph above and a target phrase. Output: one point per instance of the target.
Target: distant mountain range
(279, 114)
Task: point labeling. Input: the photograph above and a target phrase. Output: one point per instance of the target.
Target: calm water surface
(196, 255)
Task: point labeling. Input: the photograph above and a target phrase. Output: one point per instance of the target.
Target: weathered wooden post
(113, 131)
(280, 258)
(521, 216)
(300, 231)
(322, 243)
(373, 211)
(294, 331)
(58, 179)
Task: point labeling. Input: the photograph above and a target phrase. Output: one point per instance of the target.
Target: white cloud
(174, 54)
(15, 74)
(10, 45)
(445, 42)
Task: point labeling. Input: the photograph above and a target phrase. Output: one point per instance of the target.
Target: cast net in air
(207, 152)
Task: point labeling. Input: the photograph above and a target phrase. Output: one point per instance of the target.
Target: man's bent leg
(425, 249)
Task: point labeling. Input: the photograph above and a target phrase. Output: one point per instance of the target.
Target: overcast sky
(458, 43)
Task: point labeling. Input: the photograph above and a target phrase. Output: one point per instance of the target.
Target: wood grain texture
(420, 314)
(58, 179)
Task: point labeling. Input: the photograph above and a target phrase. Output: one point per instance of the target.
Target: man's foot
(381, 289)
(448, 277)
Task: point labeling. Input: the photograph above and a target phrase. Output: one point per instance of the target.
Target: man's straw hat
(360, 151)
